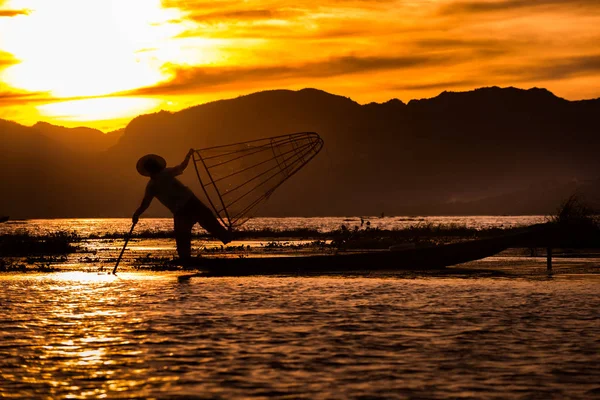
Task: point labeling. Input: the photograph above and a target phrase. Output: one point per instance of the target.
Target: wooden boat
(418, 258)
(3, 219)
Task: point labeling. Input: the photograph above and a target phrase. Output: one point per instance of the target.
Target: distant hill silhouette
(478, 152)
(79, 139)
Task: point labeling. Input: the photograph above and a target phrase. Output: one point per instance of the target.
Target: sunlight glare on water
(88, 335)
(103, 226)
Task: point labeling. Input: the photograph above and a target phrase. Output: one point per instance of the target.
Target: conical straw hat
(141, 164)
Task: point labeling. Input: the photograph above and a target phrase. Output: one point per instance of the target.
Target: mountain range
(487, 151)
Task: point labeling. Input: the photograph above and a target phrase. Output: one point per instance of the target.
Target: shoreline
(159, 255)
(47, 248)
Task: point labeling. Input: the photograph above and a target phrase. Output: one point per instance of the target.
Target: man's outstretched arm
(143, 207)
(178, 170)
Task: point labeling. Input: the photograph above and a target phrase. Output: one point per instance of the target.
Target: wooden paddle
(123, 251)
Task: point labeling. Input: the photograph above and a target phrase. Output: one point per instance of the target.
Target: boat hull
(423, 258)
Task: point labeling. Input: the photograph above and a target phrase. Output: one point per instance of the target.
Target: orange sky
(100, 62)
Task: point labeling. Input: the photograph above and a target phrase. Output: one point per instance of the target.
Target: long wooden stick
(124, 246)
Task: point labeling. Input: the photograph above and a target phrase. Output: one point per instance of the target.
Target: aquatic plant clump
(24, 244)
(576, 224)
(418, 234)
(238, 235)
(575, 212)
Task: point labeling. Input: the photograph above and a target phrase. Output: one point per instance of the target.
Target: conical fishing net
(237, 178)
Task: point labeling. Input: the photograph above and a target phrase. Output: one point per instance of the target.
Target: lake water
(516, 333)
(83, 335)
(102, 226)
(98, 253)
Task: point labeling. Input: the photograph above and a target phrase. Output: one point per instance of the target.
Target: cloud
(13, 13)
(15, 97)
(445, 43)
(476, 7)
(305, 20)
(361, 48)
(198, 4)
(244, 15)
(7, 59)
(187, 80)
(191, 5)
(289, 30)
(553, 69)
(437, 85)
(486, 48)
(10, 97)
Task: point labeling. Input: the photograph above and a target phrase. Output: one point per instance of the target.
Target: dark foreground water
(85, 335)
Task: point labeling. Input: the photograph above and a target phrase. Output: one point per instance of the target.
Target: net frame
(290, 153)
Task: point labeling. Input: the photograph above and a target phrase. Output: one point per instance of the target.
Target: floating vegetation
(153, 263)
(45, 259)
(225, 249)
(420, 234)
(145, 234)
(280, 233)
(89, 260)
(24, 244)
(575, 212)
(149, 258)
(31, 264)
(12, 266)
(62, 242)
(22, 252)
(575, 224)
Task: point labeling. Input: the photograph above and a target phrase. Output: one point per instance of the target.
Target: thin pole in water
(123, 251)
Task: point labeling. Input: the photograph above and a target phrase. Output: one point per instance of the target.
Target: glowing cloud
(187, 51)
(98, 109)
(75, 48)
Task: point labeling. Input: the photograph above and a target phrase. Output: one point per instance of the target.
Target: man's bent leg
(205, 217)
(183, 235)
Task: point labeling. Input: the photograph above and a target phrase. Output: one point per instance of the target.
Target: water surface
(102, 226)
(88, 335)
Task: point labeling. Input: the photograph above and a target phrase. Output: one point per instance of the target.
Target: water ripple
(82, 335)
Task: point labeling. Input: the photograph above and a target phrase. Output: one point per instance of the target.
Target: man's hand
(178, 170)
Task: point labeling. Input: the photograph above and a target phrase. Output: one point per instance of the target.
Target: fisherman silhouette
(187, 209)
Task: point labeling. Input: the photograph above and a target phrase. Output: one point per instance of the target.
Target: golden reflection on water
(83, 325)
(145, 335)
(82, 277)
